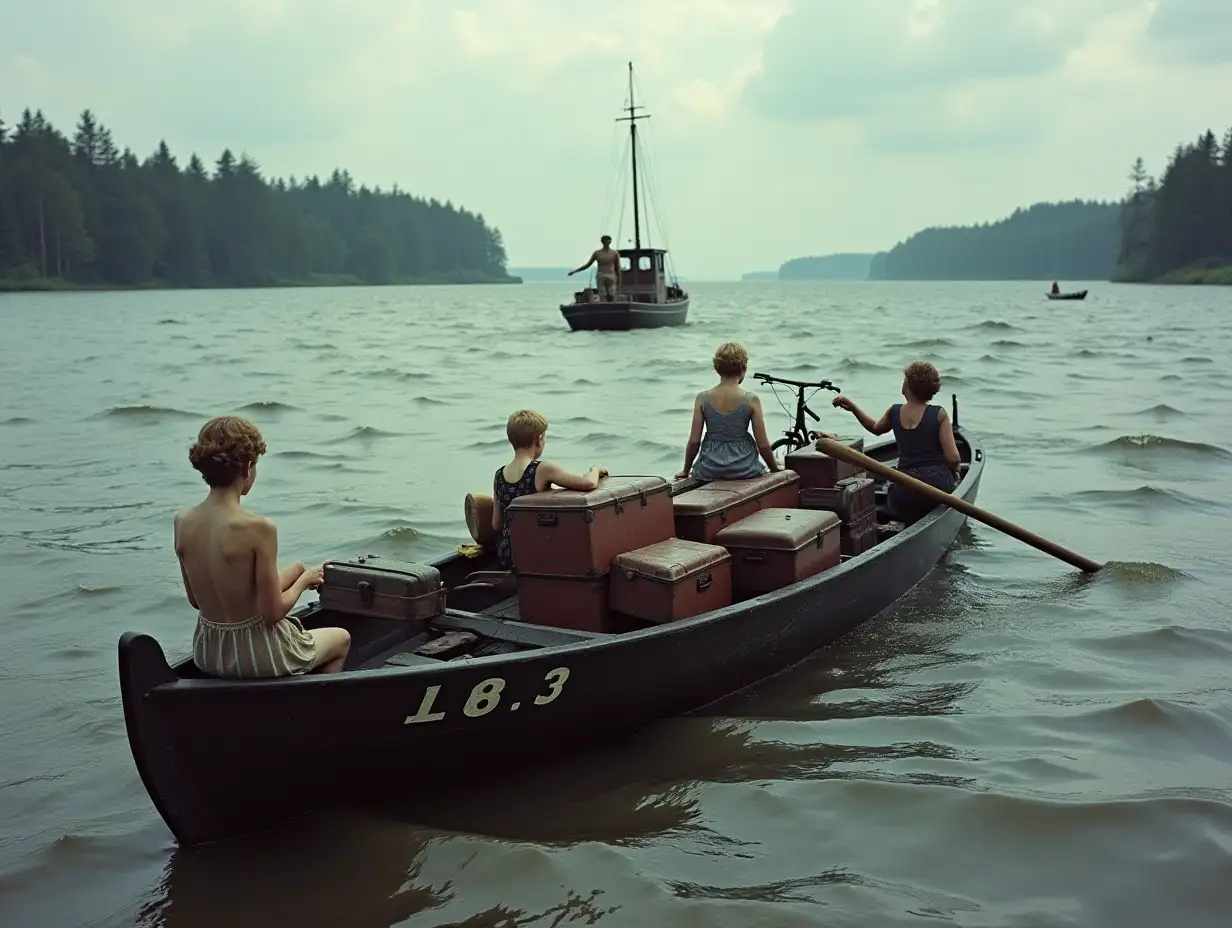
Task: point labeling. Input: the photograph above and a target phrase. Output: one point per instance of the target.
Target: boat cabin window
(625, 264)
(643, 263)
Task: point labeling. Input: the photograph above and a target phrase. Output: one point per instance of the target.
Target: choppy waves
(1008, 709)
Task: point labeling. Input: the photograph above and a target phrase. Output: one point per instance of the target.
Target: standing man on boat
(608, 270)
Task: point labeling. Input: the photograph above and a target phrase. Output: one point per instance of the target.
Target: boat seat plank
(505, 609)
(410, 659)
(511, 630)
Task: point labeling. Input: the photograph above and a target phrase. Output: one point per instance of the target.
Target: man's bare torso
(217, 548)
(606, 259)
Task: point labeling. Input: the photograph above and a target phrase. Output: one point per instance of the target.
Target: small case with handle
(409, 592)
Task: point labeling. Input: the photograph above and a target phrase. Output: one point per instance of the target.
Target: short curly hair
(730, 359)
(923, 380)
(225, 445)
(524, 428)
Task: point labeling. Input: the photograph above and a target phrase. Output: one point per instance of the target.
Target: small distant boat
(645, 299)
(1075, 295)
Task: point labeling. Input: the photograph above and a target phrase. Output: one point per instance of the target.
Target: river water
(1013, 744)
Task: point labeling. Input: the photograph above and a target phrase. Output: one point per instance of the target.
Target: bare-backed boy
(228, 560)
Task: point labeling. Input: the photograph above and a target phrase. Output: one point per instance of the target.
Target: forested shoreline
(842, 266)
(80, 213)
(1178, 229)
(1076, 240)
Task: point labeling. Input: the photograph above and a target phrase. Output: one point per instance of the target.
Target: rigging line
(606, 203)
(614, 178)
(653, 182)
(650, 171)
(620, 223)
(617, 180)
(606, 230)
(647, 237)
(651, 175)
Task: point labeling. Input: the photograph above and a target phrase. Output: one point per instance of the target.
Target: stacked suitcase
(818, 469)
(563, 543)
(702, 513)
(775, 548)
(672, 580)
(641, 547)
(852, 500)
(829, 484)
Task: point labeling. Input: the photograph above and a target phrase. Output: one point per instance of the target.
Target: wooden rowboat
(1076, 295)
(220, 758)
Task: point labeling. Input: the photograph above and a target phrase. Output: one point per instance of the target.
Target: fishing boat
(645, 298)
(1075, 295)
(220, 758)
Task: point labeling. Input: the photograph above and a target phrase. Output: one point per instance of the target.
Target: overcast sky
(779, 128)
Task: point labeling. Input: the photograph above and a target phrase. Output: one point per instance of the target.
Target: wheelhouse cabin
(642, 275)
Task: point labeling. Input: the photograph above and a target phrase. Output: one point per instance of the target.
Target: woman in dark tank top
(925, 436)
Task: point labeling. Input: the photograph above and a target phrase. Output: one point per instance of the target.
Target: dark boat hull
(222, 758)
(1078, 295)
(621, 316)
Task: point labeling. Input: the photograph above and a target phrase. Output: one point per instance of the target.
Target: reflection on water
(1012, 744)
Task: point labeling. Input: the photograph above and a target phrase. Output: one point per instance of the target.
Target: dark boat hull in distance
(622, 315)
(220, 758)
(1077, 295)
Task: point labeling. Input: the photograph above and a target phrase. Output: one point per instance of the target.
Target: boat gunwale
(609, 305)
(358, 676)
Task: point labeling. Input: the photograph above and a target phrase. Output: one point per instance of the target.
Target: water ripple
(1008, 708)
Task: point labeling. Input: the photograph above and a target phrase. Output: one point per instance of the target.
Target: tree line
(1075, 240)
(1179, 227)
(845, 266)
(79, 211)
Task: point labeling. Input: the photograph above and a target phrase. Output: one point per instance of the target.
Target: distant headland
(1174, 229)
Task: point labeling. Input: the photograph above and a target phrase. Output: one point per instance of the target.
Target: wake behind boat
(638, 601)
(643, 298)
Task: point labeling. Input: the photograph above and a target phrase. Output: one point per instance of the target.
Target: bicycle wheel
(786, 445)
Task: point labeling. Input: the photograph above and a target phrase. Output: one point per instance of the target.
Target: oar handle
(846, 453)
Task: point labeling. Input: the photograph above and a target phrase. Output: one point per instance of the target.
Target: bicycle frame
(798, 435)
(799, 432)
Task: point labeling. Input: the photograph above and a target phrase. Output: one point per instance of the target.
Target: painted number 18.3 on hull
(485, 696)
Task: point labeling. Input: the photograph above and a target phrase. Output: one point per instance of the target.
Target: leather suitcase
(850, 498)
(684, 484)
(579, 603)
(411, 592)
(860, 535)
(702, 513)
(567, 533)
(674, 579)
(817, 469)
(775, 548)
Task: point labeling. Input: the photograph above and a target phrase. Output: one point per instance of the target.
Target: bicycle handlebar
(821, 385)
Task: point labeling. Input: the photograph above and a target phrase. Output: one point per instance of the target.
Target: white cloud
(778, 128)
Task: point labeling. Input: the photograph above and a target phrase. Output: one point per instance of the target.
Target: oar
(859, 459)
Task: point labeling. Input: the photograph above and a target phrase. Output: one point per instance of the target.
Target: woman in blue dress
(728, 451)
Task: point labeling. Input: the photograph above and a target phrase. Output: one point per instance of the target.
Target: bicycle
(797, 436)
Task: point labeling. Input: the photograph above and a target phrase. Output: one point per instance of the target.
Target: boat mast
(633, 118)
